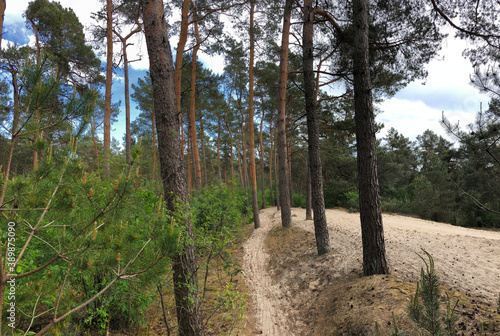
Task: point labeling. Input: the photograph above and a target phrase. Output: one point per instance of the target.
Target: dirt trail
(466, 259)
(269, 303)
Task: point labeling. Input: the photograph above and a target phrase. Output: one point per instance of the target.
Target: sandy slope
(466, 259)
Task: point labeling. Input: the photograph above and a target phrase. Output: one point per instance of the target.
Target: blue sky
(411, 111)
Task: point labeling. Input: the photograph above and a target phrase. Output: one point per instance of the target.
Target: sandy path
(466, 259)
(271, 307)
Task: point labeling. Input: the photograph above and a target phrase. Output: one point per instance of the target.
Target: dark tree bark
(284, 190)
(271, 158)
(309, 196)
(276, 180)
(374, 260)
(315, 168)
(172, 163)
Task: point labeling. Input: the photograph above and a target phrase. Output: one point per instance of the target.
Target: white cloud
(447, 89)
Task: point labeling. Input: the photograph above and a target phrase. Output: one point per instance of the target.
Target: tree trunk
(127, 106)
(192, 114)
(3, 5)
(309, 196)
(218, 148)
(189, 165)
(271, 151)
(172, 164)
(14, 135)
(284, 191)
(374, 260)
(261, 144)
(124, 40)
(251, 140)
(204, 157)
(153, 128)
(276, 182)
(231, 142)
(109, 83)
(179, 56)
(318, 202)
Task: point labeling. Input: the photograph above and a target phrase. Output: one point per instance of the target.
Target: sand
(466, 259)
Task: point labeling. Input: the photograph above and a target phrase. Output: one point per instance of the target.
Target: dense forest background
(87, 206)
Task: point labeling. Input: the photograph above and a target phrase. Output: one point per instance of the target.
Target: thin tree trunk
(179, 56)
(240, 162)
(153, 128)
(309, 196)
(3, 5)
(218, 148)
(204, 158)
(271, 151)
(231, 142)
(14, 135)
(318, 202)
(109, 83)
(94, 140)
(372, 232)
(192, 114)
(124, 40)
(189, 166)
(261, 144)
(251, 152)
(231, 146)
(172, 164)
(128, 152)
(276, 182)
(289, 168)
(284, 192)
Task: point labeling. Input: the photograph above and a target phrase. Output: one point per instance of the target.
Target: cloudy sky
(411, 111)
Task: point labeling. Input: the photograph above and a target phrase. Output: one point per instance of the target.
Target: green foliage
(396, 331)
(352, 200)
(299, 200)
(217, 215)
(92, 231)
(424, 305)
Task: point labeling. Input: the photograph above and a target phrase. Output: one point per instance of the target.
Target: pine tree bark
(228, 127)
(153, 129)
(284, 191)
(172, 164)
(192, 113)
(109, 83)
(251, 149)
(271, 158)
(203, 154)
(374, 260)
(218, 148)
(276, 180)
(315, 167)
(309, 196)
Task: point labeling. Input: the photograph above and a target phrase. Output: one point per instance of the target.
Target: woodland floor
(295, 292)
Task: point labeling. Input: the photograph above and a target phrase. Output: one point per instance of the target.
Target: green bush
(86, 231)
(299, 200)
